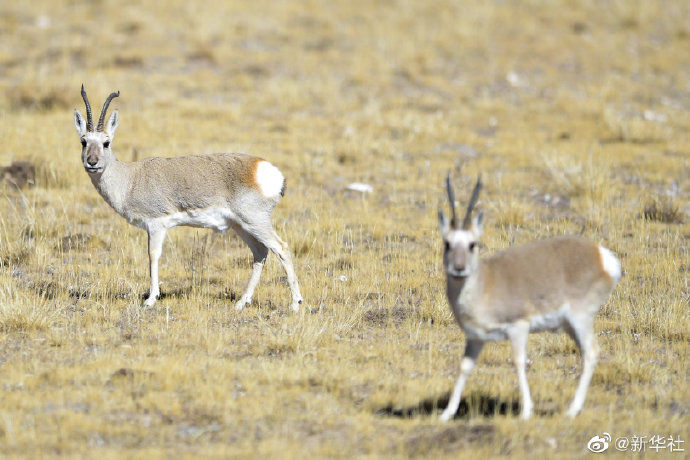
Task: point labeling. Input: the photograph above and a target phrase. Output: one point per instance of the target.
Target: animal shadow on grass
(480, 404)
(224, 295)
(227, 294)
(172, 294)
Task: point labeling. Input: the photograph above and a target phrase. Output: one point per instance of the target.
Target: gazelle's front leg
(472, 349)
(156, 238)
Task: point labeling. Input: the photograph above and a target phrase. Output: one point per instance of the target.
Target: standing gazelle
(543, 285)
(217, 191)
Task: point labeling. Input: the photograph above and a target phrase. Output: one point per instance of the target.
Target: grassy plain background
(576, 112)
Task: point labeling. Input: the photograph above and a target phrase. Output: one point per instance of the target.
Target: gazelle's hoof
(150, 302)
(296, 304)
(572, 413)
(526, 411)
(239, 306)
(446, 415)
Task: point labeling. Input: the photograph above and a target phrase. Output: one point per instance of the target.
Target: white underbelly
(483, 331)
(550, 321)
(495, 334)
(219, 219)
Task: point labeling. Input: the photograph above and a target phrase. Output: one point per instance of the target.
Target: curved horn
(89, 118)
(105, 109)
(467, 222)
(451, 198)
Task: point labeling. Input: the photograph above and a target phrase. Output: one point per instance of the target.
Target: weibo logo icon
(598, 443)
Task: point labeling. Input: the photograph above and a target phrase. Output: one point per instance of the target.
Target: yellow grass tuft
(22, 313)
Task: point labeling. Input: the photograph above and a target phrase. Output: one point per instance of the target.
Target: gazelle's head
(461, 242)
(95, 143)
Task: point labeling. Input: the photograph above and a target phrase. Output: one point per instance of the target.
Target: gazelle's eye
(83, 142)
(446, 246)
(106, 144)
(473, 246)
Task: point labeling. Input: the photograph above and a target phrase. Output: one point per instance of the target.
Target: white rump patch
(611, 264)
(270, 179)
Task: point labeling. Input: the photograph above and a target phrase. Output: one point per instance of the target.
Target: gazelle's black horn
(105, 109)
(467, 222)
(89, 118)
(451, 198)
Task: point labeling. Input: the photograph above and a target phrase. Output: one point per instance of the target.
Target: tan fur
(522, 281)
(189, 182)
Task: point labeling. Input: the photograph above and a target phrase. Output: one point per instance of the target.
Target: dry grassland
(576, 112)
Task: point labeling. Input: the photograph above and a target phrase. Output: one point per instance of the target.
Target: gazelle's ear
(113, 123)
(443, 223)
(478, 223)
(79, 123)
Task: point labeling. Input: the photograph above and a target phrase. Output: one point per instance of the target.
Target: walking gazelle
(218, 191)
(552, 284)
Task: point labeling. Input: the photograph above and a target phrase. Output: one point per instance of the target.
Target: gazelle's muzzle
(458, 272)
(92, 160)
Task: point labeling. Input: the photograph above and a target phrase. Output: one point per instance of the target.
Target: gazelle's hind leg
(260, 252)
(518, 334)
(262, 231)
(580, 328)
(280, 248)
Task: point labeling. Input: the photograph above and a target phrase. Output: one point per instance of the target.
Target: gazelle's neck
(465, 290)
(113, 183)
